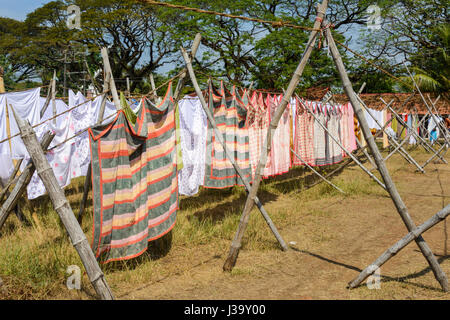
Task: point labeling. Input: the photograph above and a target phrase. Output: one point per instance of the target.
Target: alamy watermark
(374, 20)
(74, 17)
(374, 281)
(74, 279)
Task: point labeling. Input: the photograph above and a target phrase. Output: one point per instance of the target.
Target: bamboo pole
(47, 101)
(342, 147)
(413, 133)
(398, 146)
(398, 202)
(2, 82)
(366, 154)
(54, 96)
(440, 124)
(22, 183)
(427, 147)
(317, 173)
(106, 89)
(128, 88)
(237, 240)
(88, 179)
(62, 207)
(219, 136)
(11, 179)
(112, 84)
(182, 78)
(392, 251)
(385, 135)
(91, 77)
(421, 95)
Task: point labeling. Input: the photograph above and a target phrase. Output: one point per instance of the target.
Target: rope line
(278, 23)
(275, 24)
(54, 117)
(81, 132)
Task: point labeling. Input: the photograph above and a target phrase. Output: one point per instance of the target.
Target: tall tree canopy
(144, 39)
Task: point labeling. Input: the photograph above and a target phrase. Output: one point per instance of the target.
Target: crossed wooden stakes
(424, 143)
(388, 183)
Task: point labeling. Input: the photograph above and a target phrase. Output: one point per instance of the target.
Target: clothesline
(23, 90)
(80, 132)
(56, 116)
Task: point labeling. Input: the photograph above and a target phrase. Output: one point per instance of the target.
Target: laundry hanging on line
(229, 114)
(135, 186)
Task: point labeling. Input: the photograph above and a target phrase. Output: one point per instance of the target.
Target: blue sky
(18, 9)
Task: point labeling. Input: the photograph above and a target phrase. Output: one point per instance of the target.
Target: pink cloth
(304, 136)
(351, 128)
(281, 140)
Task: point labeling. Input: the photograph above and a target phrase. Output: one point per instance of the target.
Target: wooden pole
(106, 89)
(182, 79)
(421, 95)
(398, 146)
(398, 202)
(392, 251)
(54, 96)
(128, 88)
(11, 179)
(112, 84)
(385, 135)
(152, 83)
(62, 207)
(22, 183)
(2, 82)
(317, 173)
(219, 136)
(237, 240)
(47, 101)
(91, 77)
(411, 132)
(342, 147)
(88, 179)
(440, 124)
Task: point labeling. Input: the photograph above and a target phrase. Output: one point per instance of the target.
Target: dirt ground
(331, 240)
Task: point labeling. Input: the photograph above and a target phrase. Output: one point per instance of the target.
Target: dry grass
(335, 235)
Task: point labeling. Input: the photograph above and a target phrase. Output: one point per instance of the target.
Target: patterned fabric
(281, 140)
(193, 123)
(333, 125)
(135, 189)
(254, 132)
(228, 111)
(304, 136)
(271, 107)
(320, 137)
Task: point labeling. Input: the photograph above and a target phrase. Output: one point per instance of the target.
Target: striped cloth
(335, 151)
(304, 135)
(135, 189)
(281, 140)
(230, 114)
(320, 137)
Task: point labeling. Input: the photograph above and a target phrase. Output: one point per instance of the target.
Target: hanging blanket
(228, 111)
(135, 187)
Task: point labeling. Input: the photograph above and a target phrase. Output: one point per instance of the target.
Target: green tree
(415, 32)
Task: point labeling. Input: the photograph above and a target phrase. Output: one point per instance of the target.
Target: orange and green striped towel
(135, 186)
